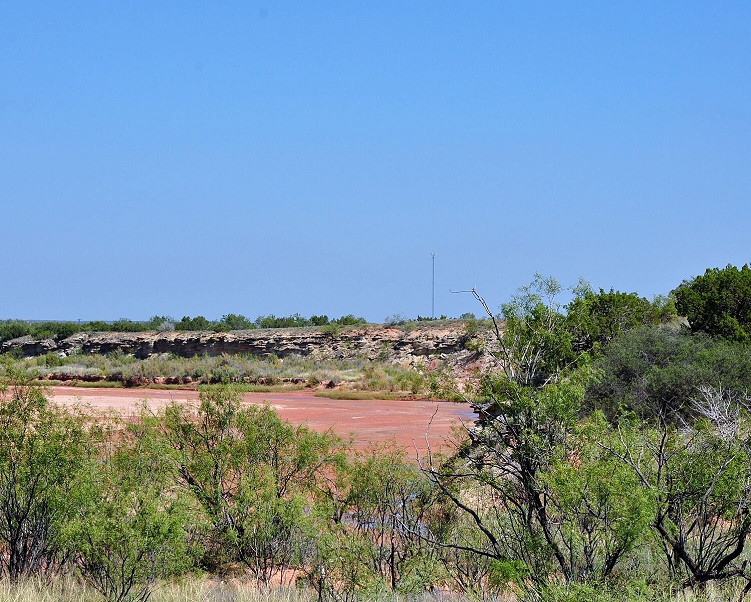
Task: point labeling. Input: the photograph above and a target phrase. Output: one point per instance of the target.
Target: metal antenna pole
(432, 307)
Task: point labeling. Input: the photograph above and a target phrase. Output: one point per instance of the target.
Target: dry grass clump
(226, 591)
(198, 589)
(66, 589)
(38, 590)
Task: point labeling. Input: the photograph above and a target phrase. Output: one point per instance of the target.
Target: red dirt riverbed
(368, 421)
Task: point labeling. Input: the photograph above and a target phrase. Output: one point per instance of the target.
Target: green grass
(253, 388)
(99, 384)
(165, 386)
(349, 394)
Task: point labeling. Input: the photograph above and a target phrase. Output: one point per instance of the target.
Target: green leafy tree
(654, 373)
(718, 302)
(252, 475)
(467, 557)
(42, 450)
(388, 503)
(58, 330)
(197, 323)
(66, 329)
(595, 319)
(350, 320)
(43, 330)
(13, 329)
(129, 529)
(125, 325)
(272, 321)
(547, 498)
(699, 477)
(598, 502)
(550, 501)
(533, 345)
(334, 565)
(97, 326)
(160, 323)
(237, 322)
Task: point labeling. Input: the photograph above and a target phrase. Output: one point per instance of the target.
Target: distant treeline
(12, 329)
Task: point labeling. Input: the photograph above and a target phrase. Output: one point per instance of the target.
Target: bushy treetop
(718, 302)
(595, 319)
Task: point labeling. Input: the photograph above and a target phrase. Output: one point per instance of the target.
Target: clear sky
(278, 157)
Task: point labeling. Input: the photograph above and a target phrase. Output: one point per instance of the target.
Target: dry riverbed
(413, 424)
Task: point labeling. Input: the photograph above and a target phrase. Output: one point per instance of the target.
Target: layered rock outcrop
(419, 345)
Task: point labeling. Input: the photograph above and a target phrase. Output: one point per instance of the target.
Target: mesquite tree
(547, 500)
(42, 450)
(253, 475)
(699, 476)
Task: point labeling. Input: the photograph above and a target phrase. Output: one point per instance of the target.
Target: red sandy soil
(407, 422)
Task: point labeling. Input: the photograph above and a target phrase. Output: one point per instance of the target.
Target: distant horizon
(565, 296)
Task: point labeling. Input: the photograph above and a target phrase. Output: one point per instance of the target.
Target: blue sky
(280, 157)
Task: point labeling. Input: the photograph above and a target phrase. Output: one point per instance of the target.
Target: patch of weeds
(332, 330)
(256, 388)
(50, 360)
(393, 320)
(97, 384)
(354, 395)
(170, 387)
(475, 344)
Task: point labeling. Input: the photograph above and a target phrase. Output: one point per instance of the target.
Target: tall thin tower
(432, 306)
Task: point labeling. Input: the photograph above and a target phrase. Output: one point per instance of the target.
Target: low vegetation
(249, 372)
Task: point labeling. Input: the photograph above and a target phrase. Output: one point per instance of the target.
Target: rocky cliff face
(420, 345)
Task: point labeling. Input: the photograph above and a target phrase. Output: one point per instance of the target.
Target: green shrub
(129, 529)
(718, 302)
(49, 360)
(66, 329)
(43, 450)
(125, 325)
(333, 329)
(655, 372)
(594, 319)
(396, 319)
(251, 474)
(350, 320)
